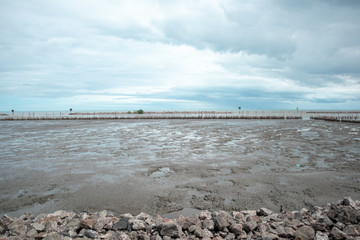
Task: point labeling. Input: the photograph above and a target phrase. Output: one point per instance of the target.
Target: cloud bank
(179, 55)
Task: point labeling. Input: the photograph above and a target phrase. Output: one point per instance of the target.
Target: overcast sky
(179, 55)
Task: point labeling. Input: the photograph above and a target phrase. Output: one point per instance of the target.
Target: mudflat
(162, 166)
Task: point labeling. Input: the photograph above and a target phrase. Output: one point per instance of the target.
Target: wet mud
(163, 166)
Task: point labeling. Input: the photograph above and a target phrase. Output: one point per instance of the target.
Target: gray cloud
(215, 53)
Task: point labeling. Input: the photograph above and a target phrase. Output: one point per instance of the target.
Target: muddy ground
(162, 166)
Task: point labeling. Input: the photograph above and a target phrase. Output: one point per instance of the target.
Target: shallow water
(159, 166)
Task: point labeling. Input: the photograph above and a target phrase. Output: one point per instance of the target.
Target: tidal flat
(164, 166)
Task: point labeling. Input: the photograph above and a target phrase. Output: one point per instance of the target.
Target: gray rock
(230, 236)
(88, 223)
(319, 226)
(351, 230)
(122, 224)
(31, 233)
(339, 225)
(143, 216)
(264, 212)
(6, 220)
(347, 201)
(221, 220)
(122, 236)
(328, 222)
(51, 226)
(101, 222)
(102, 214)
(249, 212)
(305, 233)
(38, 227)
(91, 234)
(337, 233)
(73, 224)
(185, 223)
(207, 234)
(236, 228)
(169, 229)
(137, 224)
(205, 215)
(321, 236)
(61, 213)
(17, 227)
(209, 224)
(286, 232)
(53, 236)
(26, 216)
(72, 233)
(269, 236)
(192, 228)
(249, 226)
(198, 232)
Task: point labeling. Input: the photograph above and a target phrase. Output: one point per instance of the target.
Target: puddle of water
(186, 212)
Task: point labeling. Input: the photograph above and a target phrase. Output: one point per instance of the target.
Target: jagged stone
(221, 220)
(17, 227)
(31, 233)
(249, 226)
(38, 227)
(53, 236)
(101, 222)
(26, 216)
(305, 233)
(236, 228)
(102, 214)
(264, 212)
(91, 234)
(169, 229)
(347, 201)
(122, 224)
(319, 226)
(205, 215)
(51, 226)
(351, 230)
(198, 231)
(230, 236)
(269, 236)
(286, 232)
(321, 236)
(337, 233)
(208, 224)
(6, 220)
(207, 234)
(61, 213)
(88, 223)
(186, 222)
(249, 212)
(73, 224)
(137, 224)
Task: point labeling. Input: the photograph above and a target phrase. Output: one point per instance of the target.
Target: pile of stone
(333, 221)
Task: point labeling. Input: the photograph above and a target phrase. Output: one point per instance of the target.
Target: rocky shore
(332, 221)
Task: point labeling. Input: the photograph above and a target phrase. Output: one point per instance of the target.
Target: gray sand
(161, 166)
